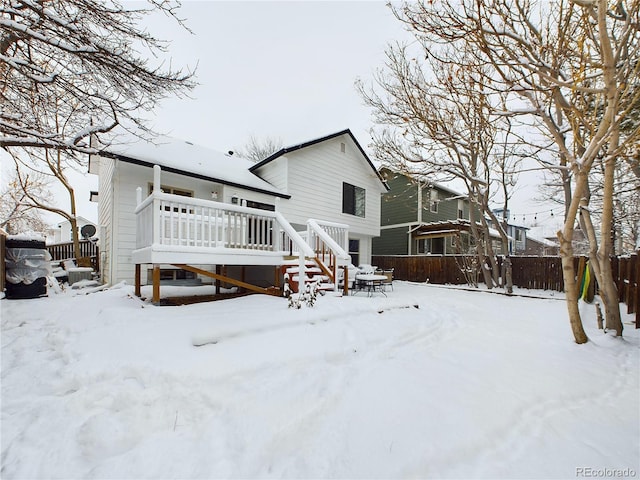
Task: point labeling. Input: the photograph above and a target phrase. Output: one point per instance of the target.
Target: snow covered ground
(429, 382)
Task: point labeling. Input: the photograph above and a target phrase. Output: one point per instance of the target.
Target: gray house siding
(392, 241)
(400, 204)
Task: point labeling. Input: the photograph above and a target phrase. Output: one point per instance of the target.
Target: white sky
(276, 69)
(273, 69)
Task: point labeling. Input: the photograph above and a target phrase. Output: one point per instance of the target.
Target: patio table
(370, 283)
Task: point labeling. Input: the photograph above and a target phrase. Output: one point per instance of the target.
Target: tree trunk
(568, 270)
(608, 289)
(508, 274)
(571, 287)
(478, 236)
(609, 60)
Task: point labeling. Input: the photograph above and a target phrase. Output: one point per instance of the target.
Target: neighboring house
(517, 234)
(215, 209)
(419, 217)
(541, 247)
(63, 234)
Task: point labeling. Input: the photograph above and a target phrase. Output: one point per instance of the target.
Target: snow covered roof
(186, 158)
(447, 227)
(415, 177)
(293, 148)
(80, 220)
(543, 241)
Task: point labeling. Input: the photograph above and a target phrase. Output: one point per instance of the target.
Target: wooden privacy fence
(542, 273)
(64, 251)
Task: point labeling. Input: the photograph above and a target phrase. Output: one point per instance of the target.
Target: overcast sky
(276, 69)
(281, 70)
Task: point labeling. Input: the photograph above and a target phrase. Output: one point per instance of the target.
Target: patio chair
(389, 281)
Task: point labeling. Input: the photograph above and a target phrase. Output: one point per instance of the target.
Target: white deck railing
(174, 220)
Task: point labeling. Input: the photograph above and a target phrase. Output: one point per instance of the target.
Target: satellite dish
(88, 231)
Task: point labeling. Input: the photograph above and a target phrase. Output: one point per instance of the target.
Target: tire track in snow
(509, 444)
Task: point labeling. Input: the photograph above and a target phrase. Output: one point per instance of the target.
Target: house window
(171, 275)
(433, 201)
(343, 147)
(261, 206)
(460, 208)
(353, 200)
(173, 191)
(518, 235)
(354, 251)
(422, 245)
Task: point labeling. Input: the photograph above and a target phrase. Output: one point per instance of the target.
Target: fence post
(636, 286)
(2, 253)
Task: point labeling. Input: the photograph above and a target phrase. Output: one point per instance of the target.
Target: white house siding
(314, 180)
(106, 168)
(276, 173)
(128, 177)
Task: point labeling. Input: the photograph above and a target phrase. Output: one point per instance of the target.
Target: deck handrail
(169, 219)
(302, 245)
(327, 251)
(315, 228)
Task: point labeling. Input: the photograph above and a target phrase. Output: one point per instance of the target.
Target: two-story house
(421, 217)
(172, 209)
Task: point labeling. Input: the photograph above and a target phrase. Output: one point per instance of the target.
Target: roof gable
(425, 183)
(316, 141)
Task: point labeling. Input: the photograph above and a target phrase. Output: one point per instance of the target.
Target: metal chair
(389, 280)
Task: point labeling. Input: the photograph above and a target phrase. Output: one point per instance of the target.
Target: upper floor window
(353, 200)
(433, 201)
(519, 236)
(460, 208)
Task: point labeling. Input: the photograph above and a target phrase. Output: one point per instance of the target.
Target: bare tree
(258, 149)
(79, 59)
(17, 214)
(440, 120)
(556, 57)
(70, 69)
(52, 165)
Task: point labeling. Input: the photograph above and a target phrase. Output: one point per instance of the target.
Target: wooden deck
(190, 232)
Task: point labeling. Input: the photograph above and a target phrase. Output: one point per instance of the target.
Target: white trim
(398, 225)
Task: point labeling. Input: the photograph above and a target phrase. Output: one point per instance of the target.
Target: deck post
(302, 274)
(345, 280)
(137, 281)
(218, 272)
(155, 299)
(156, 206)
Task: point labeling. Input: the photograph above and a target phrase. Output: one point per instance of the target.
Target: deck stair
(312, 273)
